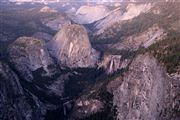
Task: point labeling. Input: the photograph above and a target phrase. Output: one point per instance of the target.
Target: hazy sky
(71, 0)
(90, 0)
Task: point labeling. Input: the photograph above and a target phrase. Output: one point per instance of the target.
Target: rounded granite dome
(28, 54)
(72, 48)
(89, 14)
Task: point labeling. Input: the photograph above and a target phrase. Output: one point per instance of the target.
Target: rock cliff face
(72, 48)
(28, 54)
(146, 92)
(13, 104)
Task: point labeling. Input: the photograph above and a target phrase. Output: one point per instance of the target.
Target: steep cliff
(146, 92)
(71, 47)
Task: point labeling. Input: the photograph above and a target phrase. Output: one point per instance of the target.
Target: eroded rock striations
(146, 92)
(71, 47)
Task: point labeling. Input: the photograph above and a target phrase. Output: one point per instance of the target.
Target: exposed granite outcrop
(28, 54)
(71, 47)
(146, 92)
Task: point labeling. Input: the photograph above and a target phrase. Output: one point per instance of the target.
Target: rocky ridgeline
(72, 48)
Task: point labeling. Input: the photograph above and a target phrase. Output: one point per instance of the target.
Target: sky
(68, 0)
(87, 0)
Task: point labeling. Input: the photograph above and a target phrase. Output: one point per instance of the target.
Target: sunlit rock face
(146, 92)
(90, 14)
(13, 104)
(72, 48)
(28, 54)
